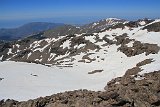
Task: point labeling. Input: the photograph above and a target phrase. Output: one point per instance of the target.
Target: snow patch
(1, 58)
(51, 56)
(66, 44)
(90, 38)
(142, 23)
(130, 44)
(154, 66)
(139, 78)
(81, 45)
(9, 51)
(17, 45)
(29, 55)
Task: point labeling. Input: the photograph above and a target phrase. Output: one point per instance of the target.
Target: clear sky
(75, 11)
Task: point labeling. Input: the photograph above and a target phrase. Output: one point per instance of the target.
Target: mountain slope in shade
(25, 30)
(123, 56)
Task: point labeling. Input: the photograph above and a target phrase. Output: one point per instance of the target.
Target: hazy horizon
(15, 13)
(70, 20)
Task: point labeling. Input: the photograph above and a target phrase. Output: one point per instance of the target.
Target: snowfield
(24, 81)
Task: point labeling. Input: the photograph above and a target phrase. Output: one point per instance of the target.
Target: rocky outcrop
(142, 92)
(137, 48)
(95, 71)
(155, 27)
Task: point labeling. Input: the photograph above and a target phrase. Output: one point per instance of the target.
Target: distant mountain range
(25, 30)
(60, 29)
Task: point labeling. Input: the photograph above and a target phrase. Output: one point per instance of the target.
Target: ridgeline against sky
(74, 11)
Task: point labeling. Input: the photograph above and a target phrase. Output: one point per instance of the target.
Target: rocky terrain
(125, 53)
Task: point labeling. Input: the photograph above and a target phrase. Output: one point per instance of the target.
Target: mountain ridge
(25, 30)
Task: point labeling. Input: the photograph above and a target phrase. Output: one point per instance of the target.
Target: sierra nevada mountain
(108, 56)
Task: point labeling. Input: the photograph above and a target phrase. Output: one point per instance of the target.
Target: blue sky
(75, 11)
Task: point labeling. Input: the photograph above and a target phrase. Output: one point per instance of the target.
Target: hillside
(25, 30)
(117, 59)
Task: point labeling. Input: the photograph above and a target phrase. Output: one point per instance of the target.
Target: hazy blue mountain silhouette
(25, 30)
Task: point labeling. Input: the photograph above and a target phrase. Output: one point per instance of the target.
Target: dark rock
(155, 27)
(109, 95)
(146, 61)
(22, 53)
(156, 103)
(1, 79)
(95, 71)
(121, 103)
(138, 47)
(5, 46)
(110, 42)
(8, 103)
(132, 71)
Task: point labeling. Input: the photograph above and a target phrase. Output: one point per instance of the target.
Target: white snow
(81, 45)
(136, 33)
(90, 38)
(112, 19)
(19, 84)
(142, 23)
(139, 78)
(9, 51)
(1, 57)
(117, 83)
(130, 44)
(154, 66)
(66, 44)
(147, 37)
(41, 49)
(94, 24)
(61, 56)
(51, 56)
(35, 44)
(29, 55)
(17, 45)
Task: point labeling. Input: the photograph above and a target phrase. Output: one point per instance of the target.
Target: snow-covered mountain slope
(77, 61)
(101, 25)
(88, 28)
(56, 50)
